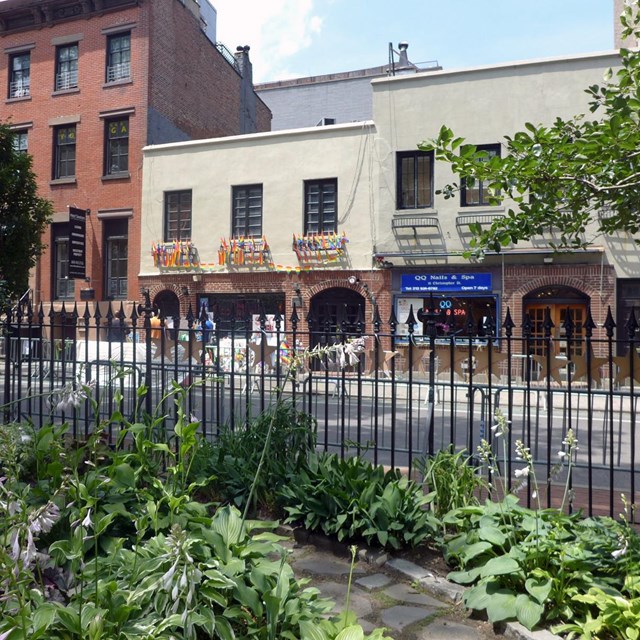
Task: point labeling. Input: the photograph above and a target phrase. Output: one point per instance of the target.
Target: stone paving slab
(324, 565)
(446, 630)
(373, 582)
(401, 616)
(359, 600)
(405, 593)
(409, 569)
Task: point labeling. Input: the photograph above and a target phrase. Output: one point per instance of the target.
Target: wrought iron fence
(407, 395)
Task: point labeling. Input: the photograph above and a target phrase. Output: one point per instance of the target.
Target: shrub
(355, 500)
(235, 456)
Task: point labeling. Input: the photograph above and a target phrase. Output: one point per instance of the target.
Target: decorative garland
(321, 247)
(177, 254)
(240, 251)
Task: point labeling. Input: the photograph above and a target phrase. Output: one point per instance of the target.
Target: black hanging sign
(77, 243)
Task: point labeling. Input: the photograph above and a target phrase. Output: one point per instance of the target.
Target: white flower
(562, 454)
(534, 495)
(619, 552)
(45, 518)
(167, 578)
(87, 520)
(520, 473)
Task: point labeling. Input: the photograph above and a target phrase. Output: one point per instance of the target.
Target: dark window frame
(246, 206)
(66, 76)
(116, 146)
(325, 209)
(115, 233)
(19, 79)
(408, 195)
(64, 157)
(118, 60)
(63, 287)
(180, 219)
(484, 196)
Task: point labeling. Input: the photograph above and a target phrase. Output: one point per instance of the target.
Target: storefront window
(238, 314)
(453, 313)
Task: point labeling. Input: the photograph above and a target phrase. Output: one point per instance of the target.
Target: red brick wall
(89, 191)
(596, 281)
(310, 283)
(191, 84)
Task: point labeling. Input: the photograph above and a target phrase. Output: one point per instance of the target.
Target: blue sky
(295, 38)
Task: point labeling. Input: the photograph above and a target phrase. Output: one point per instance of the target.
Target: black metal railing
(408, 395)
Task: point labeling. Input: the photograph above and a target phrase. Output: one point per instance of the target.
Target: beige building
(336, 218)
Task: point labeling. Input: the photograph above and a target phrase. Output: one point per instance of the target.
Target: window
(67, 67)
(476, 192)
(177, 215)
(63, 286)
(20, 141)
(19, 75)
(117, 146)
(119, 57)
(116, 258)
(247, 211)
(65, 152)
(320, 206)
(414, 179)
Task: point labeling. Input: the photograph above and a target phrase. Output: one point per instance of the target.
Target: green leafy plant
(121, 549)
(452, 480)
(284, 434)
(529, 564)
(354, 500)
(618, 614)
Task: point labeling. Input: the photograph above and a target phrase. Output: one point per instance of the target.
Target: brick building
(87, 84)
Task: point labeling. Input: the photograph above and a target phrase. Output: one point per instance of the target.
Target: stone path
(411, 602)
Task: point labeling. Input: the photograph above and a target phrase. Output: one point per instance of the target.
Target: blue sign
(446, 282)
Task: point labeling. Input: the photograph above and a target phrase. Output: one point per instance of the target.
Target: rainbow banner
(244, 251)
(175, 255)
(320, 247)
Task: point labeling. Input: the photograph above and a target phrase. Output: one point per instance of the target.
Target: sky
(299, 38)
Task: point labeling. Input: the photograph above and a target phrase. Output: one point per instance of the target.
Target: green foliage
(23, 218)
(113, 545)
(561, 175)
(531, 565)
(618, 614)
(451, 479)
(355, 500)
(236, 455)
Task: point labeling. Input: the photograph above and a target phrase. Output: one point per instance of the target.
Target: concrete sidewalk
(410, 601)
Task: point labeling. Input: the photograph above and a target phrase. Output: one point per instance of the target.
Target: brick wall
(191, 84)
(85, 104)
(310, 283)
(596, 281)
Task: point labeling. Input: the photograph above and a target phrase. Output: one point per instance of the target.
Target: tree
(574, 173)
(23, 218)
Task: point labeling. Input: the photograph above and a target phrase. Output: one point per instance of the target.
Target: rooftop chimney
(248, 106)
(403, 57)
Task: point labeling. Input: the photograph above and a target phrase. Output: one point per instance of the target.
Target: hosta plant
(532, 564)
(354, 500)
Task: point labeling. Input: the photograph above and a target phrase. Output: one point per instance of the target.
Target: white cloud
(276, 30)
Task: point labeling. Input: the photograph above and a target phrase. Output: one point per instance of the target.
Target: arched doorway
(560, 300)
(169, 305)
(334, 315)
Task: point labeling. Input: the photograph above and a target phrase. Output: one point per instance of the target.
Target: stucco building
(86, 85)
(335, 218)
